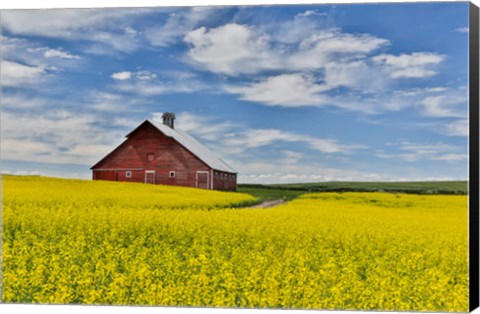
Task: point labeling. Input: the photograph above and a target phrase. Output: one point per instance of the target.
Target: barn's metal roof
(199, 150)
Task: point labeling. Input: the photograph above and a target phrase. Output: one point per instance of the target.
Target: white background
(74, 309)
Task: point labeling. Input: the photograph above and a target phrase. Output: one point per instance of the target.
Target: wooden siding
(224, 181)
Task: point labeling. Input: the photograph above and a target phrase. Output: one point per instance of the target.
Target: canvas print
(280, 156)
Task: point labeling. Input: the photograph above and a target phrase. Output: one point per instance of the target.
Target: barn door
(202, 179)
(150, 176)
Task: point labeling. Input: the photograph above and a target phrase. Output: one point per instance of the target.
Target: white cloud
(415, 65)
(333, 46)
(45, 59)
(125, 75)
(139, 75)
(235, 49)
(291, 157)
(412, 73)
(158, 87)
(147, 89)
(19, 101)
(101, 101)
(235, 139)
(314, 173)
(65, 23)
(301, 27)
(287, 90)
(105, 27)
(409, 60)
(53, 23)
(105, 41)
(356, 75)
(333, 41)
(178, 24)
(433, 102)
(146, 83)
(54, 135)
(311, 13)
(279, 172)
(313, 67)
(145, 75)
(53, 53)
(66, 173)
(330, 145)
(457, 128)
(412, 152)
(254, 138)
(451, 157)
(201, 126)
(448, 104)
(47, 130)
(436, 89)
(22, 173)
(230, 49)
(16, 74)
(462, 29)
(299, 90)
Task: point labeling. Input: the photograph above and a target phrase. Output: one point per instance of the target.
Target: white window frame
(128, 174)
(172, 174)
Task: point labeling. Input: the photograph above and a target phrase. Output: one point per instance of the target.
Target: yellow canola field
(72, 241)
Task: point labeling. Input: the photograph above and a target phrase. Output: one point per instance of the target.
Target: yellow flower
(94, 242)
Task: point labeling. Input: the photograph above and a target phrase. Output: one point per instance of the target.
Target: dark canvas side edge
(474, 221)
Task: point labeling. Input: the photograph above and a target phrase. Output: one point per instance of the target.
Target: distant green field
(290, 191)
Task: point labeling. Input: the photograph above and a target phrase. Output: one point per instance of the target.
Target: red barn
(160, 154)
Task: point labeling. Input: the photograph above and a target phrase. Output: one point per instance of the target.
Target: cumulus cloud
(333, 45)
(357, 75)
(452, 104)
(230, 49)
(54, 53)
(287, 90)
(302, 26)
(19, 75)
(415, 65)
(309, 70)
(178, 24)
(139, 75)
(125, 75)
(235, 49)
(44, 59)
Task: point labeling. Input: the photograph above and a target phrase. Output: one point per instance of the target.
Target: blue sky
(297, 93)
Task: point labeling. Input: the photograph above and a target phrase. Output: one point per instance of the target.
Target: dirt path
(267, 204)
